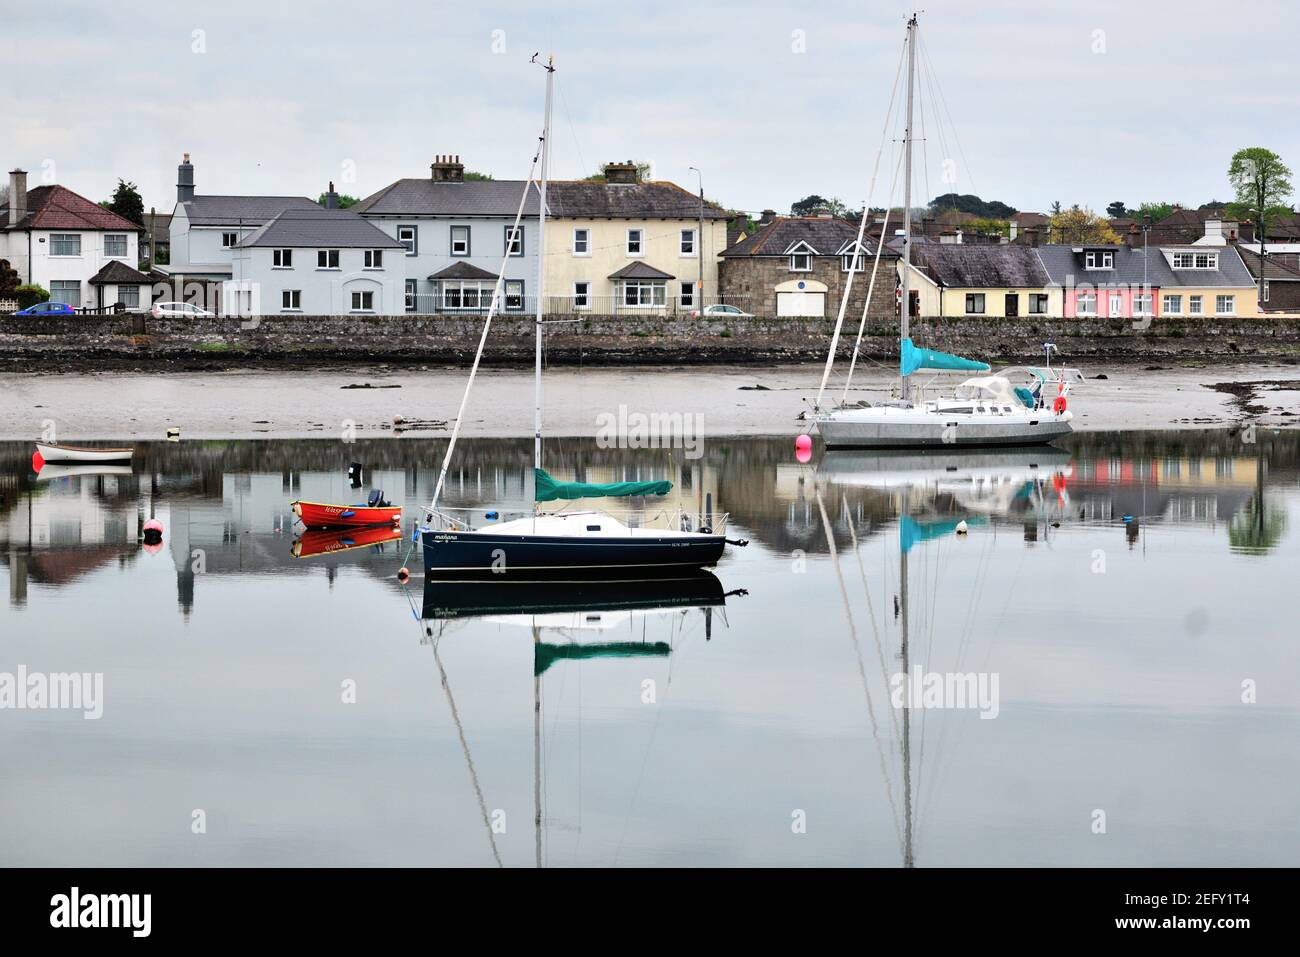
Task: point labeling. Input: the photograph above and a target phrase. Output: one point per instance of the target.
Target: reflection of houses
(1179, 489)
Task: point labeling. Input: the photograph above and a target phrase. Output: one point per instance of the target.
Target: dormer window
(1190, 260)
(801, 257)
(1099, 259)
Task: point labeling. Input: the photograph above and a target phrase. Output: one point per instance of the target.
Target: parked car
(179, 310)
(722, 311)
(47, 309)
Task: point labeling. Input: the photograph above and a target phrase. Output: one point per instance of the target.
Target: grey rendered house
(454, 236)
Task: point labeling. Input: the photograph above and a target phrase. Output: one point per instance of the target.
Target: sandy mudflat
(257, 404)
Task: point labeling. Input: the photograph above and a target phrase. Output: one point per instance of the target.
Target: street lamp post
(699, 246)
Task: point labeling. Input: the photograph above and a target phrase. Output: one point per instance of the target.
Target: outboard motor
(377, 499)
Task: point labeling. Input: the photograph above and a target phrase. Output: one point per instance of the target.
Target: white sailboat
(988, 410)
(584, 539)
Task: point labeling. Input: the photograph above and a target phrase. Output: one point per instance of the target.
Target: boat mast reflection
(582, 612)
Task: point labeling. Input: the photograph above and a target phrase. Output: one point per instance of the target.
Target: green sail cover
(912, 358)
(548, 490)
(545, 655)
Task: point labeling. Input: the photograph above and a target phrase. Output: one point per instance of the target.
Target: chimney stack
(768, 216)
(17, 196)
(447, 169)
(331, 197)
(1031, 233)
(1131, 237)
(623, 173)
(185, 181)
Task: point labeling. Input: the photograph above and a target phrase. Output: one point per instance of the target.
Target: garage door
(801, 304)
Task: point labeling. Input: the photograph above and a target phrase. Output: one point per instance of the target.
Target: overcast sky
(1082, 103)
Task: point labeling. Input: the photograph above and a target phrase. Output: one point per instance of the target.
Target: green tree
(8, 280)
(126, 202)
(1257, 528)
(344, 200)
(1076, 225)
(809, 205)
(989, 226)
(472, 177)
(969, 203)
(30, 295)
(1262, 183)
(1056, 208)
(1117, 210)
(1155, 211)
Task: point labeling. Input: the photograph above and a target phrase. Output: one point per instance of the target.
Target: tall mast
(907, 194)
(541, 268)
(905, 510)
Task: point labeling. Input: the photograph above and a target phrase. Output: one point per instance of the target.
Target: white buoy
(961, 527)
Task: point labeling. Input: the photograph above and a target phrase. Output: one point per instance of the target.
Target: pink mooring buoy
(38, 461)
(803, 447)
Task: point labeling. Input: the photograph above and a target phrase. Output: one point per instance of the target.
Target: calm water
(1122, 591)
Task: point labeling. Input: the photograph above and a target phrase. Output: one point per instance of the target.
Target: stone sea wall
(84, 342)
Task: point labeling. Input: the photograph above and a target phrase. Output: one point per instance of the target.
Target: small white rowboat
(72, 453)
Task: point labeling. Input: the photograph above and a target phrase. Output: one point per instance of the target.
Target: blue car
(47, 309)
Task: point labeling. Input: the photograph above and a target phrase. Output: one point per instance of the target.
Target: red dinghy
(321, 515)
(331, 541)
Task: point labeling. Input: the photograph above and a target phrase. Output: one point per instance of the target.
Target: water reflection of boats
(568, 600)
(567, 608)
(987, 482)
(332, 541)
(57, 471)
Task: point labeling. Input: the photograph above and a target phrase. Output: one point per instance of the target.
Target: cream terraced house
(617, 246)
(626, 246)
(1002, 281)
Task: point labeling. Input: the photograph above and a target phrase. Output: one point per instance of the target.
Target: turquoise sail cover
(912, 359)
(912, 533)
(548, 490)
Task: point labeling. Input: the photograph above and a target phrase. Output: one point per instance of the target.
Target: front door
(1013, 304)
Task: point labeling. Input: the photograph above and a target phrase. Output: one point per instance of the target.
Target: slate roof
(639, 271)
(1273, 270)
(981, 266)
(571, 199)
(319, 227)
(116, 273)
(463, 271)
(242, 210)
(57, 207)
(826, 235)
(424, 197)
(564, 198)
(1062, 263)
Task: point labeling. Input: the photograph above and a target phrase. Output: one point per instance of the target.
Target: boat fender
(491, 516)
(738, 542)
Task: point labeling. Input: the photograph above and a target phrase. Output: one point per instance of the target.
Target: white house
(316, 262)
(81, 253)
(205, 230)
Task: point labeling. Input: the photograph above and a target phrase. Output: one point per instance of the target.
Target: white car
(179, 310)
(722, 311)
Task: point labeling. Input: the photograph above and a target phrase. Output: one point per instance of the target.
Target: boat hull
(72, 453)
(489, 553)
(324, 515)
(938, 430)
(332, 541)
